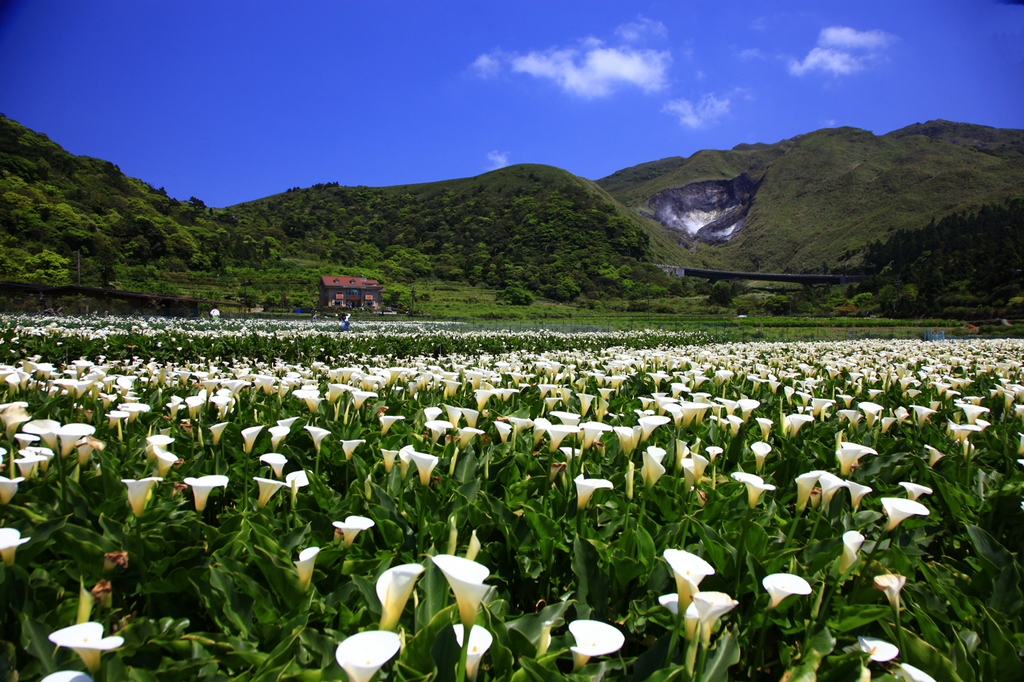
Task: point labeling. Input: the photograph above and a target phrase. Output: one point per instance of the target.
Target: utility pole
(412, 310)
(79, 267)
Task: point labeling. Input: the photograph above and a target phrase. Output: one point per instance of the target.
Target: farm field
(244, 499)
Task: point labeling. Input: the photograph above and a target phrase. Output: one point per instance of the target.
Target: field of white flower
(263, 501)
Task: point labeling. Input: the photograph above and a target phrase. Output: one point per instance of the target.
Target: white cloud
(497, 159)
(751, 53)
(842, 50)
(596, 71)
(708, 110)
(849, 38)
(592, 69)
(487, 65)
(641, 28)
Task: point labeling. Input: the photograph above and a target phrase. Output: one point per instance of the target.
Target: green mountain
(535, 227)
(532, 227)
(818, 199)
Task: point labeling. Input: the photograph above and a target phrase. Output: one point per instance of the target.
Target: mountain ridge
(823, 195)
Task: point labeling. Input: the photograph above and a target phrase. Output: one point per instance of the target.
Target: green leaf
(418, 654)
(445, 652)
(434, 588)
(989, 549)
(727, 654)
(853, 617)
(923, 655)
(592, 588)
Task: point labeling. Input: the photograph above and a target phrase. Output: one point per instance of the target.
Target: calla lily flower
(558, 432)
(424, 464)
(504, 430)
(649, 423)
(86, 640)
(8, 487)
(804, 485)
(393, 589)
(693, 412)
(363, 654)
(782, 585)
(44, 428)
(897, 509)
(386, 423)
(629, 437)
(585, 488)
(466, 579)
(276, 461)
(830, 485)
(349, 447)
(871, 411)
(139, 492)
(317, 434)
(914, 490)
(857, 493)
(278, 434)
(711, 606)
(69, 435)
(466, 436)
(249, 437)
(592, 432)
(761, 450)
(878, 650)
(766, 427)
(480, 641)
(922, 414)
(793, 422)
(755, 486)
(593, 638)
(652, 469)
(848, 455)
(352, 526)
(892, 585)
(437, 428)
(217, 430)
(852, 540)
(689, 570)
(202, 486)
(268, 487)
(13, 415)
(304, 566)
(164, 461)
(10, 540)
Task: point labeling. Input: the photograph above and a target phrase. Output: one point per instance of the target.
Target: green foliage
(832, 192)
(721, 294)
(515, 295)
(956, 267)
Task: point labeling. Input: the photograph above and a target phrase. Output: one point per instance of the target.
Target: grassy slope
(833, 191)
(513, 179)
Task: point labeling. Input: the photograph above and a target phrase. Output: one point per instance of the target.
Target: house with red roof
(343, 291)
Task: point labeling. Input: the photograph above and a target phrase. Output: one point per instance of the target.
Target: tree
(721, 294)
(513, 294)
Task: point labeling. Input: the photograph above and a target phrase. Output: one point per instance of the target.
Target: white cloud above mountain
(708, 109)
(842, 50)
(592, 69)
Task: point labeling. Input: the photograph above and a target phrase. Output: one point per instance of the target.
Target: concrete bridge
(716, 275)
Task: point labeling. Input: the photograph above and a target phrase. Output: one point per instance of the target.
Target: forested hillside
(534, 228)
(965, 265)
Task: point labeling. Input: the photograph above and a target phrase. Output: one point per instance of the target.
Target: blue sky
(229, 101)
